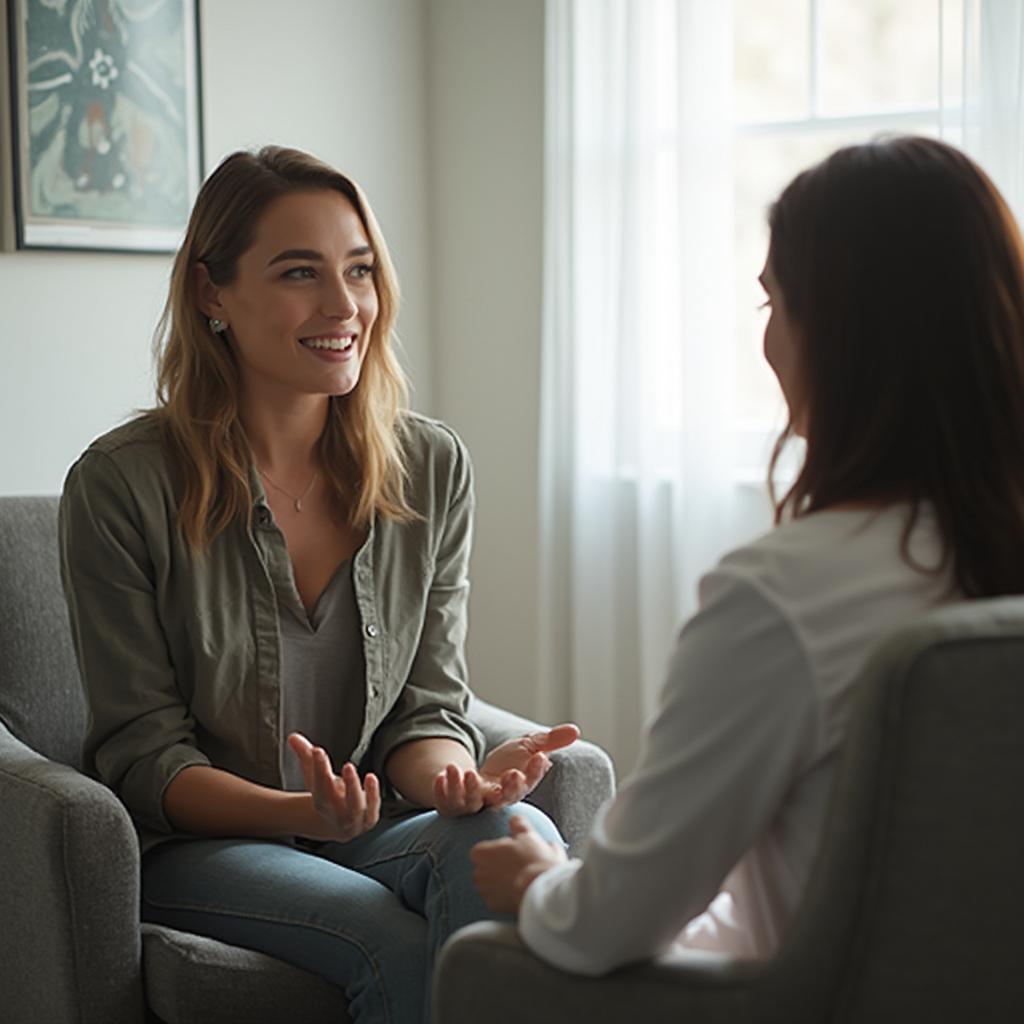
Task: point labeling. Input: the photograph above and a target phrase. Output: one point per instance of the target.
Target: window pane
(878, 55)
(765, 164)
(953, 52)
(772, 66)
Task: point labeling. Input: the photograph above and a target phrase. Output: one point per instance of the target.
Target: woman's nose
(339, 303)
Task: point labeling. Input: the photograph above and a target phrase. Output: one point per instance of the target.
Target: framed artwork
(101, 124)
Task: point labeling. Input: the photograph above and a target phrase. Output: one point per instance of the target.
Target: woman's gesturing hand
(508, 773)
(344, 807)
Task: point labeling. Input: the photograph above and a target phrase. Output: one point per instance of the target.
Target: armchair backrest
(41, 700)
(916, 905)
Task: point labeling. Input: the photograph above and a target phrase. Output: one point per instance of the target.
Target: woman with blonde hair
(267, 581)
(895, 280)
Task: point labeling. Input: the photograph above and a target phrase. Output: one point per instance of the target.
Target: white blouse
(709, 843)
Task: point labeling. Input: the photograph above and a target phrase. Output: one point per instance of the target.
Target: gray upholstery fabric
(69, 889)
(190, 978)
(914, 906)
(40, 697)
(71, 949)
(580, 780)
(486, 974)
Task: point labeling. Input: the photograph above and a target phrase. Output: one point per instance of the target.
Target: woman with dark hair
(279, 550)
(895, 277)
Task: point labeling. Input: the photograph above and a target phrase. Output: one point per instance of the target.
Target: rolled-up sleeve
(140, 731)
(435, 697)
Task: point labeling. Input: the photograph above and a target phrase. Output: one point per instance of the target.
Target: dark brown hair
(197, 374)
(902, 270)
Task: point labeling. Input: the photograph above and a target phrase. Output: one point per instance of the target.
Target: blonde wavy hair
(198, 374)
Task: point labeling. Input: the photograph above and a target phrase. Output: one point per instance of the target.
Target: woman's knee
(494, 823)
(537, 820)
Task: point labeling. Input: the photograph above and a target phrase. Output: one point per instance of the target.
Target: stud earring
(217, 326)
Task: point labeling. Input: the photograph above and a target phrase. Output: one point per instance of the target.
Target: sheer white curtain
(636, 348)
(990, 122)
(640, 489)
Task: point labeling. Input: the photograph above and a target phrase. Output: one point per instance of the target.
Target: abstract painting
(105, 122)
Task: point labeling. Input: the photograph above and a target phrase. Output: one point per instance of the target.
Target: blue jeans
(369, 915)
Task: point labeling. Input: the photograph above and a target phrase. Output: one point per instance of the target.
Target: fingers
(456, 787)
(536, 768)
(518, 825)
(472, 786)
(510, 788)
(513, 786)
(323, 787)
(349, 798)
(371, 786)
(303, 750)
(441, 792)
(504, 868)
(457, 792)
(299, 744)
(351, 806)
(554, 739)
(480, 853)
(449, 788)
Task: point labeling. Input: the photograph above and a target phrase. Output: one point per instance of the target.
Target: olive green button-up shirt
(180, 653)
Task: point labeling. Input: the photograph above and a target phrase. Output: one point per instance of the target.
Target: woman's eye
(299, 273)
(361, 270)
(765, 304)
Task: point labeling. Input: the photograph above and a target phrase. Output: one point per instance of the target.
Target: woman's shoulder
(426, 437)
(132, 454)
(812, 542)
(839, 562)
(431, 445)
(141, 433)
(437, 463)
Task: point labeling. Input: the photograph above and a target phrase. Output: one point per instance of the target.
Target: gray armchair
(71, 946)
(915, 908)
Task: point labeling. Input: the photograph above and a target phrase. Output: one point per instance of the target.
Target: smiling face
(781, 349)
(303, 302)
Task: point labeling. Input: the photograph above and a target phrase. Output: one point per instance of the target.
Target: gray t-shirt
(323, 671)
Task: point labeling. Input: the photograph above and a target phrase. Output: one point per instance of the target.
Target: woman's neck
(283, 434)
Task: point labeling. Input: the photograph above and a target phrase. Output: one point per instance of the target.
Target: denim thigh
(423, 857)
(306, 910)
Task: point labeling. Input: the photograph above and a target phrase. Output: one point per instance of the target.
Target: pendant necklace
(296, 500)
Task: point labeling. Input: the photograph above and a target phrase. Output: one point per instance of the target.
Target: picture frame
(100, 124)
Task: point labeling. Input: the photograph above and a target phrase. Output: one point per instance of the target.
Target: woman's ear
(207, 293)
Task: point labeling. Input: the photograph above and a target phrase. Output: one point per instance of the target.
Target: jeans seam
(442, 888)
(424, 850)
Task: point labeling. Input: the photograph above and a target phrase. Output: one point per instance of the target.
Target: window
(811, 76)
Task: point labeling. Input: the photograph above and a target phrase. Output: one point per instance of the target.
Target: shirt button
(262, 516)
(374, 691)
(371, 630)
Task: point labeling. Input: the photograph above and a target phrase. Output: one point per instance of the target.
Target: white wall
(485, 61)
(341, 78)
(436, 108)
(75, 336)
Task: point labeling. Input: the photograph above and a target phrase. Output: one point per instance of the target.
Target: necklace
(296, 500)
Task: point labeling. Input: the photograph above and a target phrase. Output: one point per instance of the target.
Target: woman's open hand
(344, 807)
(509, 772)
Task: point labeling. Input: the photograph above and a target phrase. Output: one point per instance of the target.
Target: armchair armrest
(486, 973)
(581, 779)
(69, 886)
